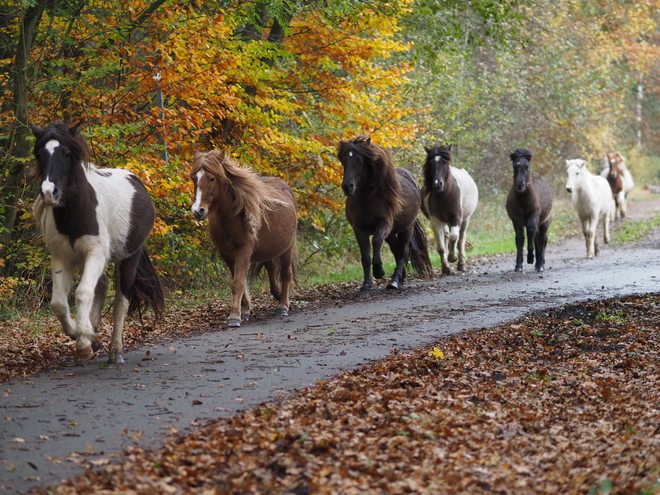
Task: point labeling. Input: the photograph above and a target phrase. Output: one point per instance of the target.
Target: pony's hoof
(115, 357)
(540, 269)
(84, 355)
(446, 270)
(530, 259)
(379, 271)
(245, 317)
(519, 268)
(460, 267)
(282, 312)
(234, 323)
(394, 285)
(451, 258)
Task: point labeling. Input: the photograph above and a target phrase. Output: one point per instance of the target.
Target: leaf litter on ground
(564, 401)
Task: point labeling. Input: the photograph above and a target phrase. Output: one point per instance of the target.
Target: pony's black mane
(443, 151)
(67, 136)
(521, 153)
(383, 171)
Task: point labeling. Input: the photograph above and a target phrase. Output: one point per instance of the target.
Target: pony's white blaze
(51, 145)
(47, 186)
(198, 192)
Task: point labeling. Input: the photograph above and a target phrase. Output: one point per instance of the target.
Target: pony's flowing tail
(419, 252)
(147, 291)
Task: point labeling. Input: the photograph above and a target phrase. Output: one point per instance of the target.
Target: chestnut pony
(252, 220)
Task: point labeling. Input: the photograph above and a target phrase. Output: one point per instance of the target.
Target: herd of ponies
(93, 216)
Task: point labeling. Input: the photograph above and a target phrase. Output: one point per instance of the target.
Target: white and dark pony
(592, 199)
(90, 217)
(449, 198)
(620, 180)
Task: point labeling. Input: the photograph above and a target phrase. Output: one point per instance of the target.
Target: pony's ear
(197, 155)
(75, 129)
(368, 140)
(449, 146)
(427, 149)
(36, 130)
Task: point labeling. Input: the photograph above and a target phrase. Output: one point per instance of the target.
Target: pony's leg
(286, 275)
(125, 272)
(606, 228)
(382, 231)
(589, 234)
(273, 273)
(62, 275)
(365, 257)
(532, 233)
(246, 304)
(452, 241)
(85, 295)
(541, 242)
(520, 243)
(238, 284)
(400, 247)
(100, 293)
(622, 204)
(440, 233)
(462, 239)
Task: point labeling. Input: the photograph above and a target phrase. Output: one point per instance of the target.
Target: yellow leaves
(437, 353)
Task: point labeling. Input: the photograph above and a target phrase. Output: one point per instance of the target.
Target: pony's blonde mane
(252, 197)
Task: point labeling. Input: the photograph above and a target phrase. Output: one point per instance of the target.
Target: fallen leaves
(540, 406)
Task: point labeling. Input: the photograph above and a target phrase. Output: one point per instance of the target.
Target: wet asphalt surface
(55, 425)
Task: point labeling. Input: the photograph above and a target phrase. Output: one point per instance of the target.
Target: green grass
(634, 230)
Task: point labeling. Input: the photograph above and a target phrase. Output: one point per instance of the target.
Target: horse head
(522, 176)
(59, 151)
(574, 169)
(615, 161)
(436, 167)
(354, 156)
(204, 181)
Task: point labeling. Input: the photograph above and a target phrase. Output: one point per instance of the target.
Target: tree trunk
(19, 145)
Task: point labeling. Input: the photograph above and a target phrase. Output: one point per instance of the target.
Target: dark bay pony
(90, 217)
(449, 198)
(252, 220)
(382, 201)
(529, 205)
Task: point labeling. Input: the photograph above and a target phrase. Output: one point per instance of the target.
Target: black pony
(382, 201)
(529, 206)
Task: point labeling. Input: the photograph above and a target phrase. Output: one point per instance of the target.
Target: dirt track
(85, 415)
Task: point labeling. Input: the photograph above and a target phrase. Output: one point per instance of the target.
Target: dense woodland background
(279, 83)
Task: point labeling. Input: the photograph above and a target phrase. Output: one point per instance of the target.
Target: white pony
(620, 180)
(592, 199)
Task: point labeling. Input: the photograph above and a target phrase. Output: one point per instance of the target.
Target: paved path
(54, 425)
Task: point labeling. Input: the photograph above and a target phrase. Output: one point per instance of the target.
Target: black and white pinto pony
(90, 217)
(592, 199)
(449, 198)
(529, 206)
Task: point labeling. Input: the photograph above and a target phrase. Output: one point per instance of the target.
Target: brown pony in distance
(529, 205)
(620, 180)
(252, 220)
(382, 202)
